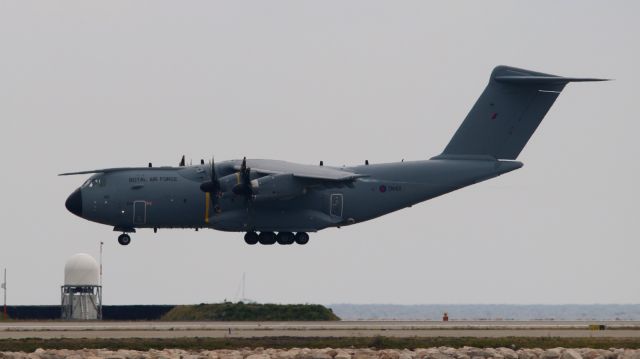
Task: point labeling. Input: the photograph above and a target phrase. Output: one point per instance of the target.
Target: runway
(478, 329)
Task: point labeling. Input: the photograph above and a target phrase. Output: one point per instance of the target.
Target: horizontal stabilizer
(544, 79)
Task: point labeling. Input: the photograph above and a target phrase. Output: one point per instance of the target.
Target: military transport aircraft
(274, 201)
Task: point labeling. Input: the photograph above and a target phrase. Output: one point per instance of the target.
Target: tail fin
(507, 113)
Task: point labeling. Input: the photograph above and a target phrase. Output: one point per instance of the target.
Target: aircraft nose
(74, 203)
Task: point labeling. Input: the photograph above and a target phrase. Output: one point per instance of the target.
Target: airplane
(274, 201)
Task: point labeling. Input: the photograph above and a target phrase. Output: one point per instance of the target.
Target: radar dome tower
(81, 293)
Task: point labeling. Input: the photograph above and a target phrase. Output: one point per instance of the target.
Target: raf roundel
(383, 188)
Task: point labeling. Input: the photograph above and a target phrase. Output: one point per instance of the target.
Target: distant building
(81, 294)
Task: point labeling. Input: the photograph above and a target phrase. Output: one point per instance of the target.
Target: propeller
(244, 187)
(213, 184)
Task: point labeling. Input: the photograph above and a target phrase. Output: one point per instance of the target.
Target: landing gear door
(335, 208)
(139, 212)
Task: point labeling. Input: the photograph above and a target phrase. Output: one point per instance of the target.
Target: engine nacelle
(227, 182)
(280, 186)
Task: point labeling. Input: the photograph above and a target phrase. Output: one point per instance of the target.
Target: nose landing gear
(124, 239)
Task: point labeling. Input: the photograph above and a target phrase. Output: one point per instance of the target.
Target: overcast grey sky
(87, 84)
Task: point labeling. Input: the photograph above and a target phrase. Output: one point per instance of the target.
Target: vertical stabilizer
(507, 113)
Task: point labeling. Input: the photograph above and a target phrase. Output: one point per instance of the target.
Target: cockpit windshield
(94, 182)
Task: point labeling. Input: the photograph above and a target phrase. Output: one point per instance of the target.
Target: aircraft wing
(299, 170)
(115, 169)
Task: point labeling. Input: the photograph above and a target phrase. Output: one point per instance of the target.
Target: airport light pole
(101, 244)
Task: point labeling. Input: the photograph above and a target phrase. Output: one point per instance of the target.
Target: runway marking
(15, 330)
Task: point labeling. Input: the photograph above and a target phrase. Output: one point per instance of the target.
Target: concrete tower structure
(81, 293)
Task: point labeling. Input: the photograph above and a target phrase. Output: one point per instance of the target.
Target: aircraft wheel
(267, 238)
(124, 239)
(302, 238)
(285, 238)
(251, 238)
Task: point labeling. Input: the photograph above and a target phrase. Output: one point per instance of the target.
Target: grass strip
(378, 342)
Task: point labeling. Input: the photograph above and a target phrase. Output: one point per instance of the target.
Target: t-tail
(507, 113)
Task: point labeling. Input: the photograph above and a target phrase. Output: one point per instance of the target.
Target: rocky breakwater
(328, 353)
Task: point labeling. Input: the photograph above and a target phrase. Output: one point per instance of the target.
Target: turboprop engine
(228, 182)
(280, 186)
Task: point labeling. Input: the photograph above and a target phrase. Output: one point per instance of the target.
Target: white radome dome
(81, 269)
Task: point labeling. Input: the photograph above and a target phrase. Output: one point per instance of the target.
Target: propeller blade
(244, 187)
(244, 165)
(214, 175)
(213, 184)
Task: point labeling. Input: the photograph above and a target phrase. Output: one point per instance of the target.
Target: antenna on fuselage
(181, 164)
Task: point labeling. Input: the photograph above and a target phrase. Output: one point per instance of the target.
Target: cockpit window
(94, 182)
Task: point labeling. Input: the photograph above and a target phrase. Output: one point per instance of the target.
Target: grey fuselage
(276, 196)
(170, 197)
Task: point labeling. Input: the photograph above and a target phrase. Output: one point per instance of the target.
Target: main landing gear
(282, 238)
